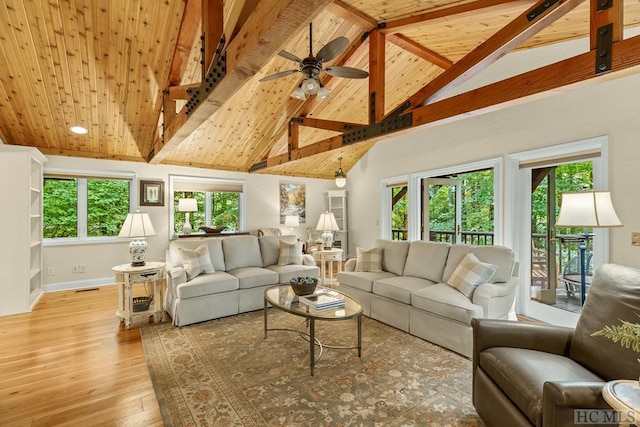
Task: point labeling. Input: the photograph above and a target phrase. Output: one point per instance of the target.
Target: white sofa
(411, 291)
(243, 267)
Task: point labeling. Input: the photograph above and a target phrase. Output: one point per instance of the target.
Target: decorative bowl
(303, 285)
(213, 229)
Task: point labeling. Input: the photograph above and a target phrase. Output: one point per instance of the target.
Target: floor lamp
(590, 209)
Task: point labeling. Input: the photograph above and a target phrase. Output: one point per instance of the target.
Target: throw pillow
(369, 259)
(470, 273)
(290, 253)
(196, 261)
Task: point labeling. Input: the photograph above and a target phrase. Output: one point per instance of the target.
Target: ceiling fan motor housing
(310, 67)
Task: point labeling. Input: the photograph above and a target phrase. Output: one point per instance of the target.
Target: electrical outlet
(74, 268)
(51, 271)
(635, 239)
(82, 268)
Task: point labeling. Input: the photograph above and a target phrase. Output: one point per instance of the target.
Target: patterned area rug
(224, 373)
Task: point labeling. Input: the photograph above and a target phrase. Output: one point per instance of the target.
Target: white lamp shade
(327, 222)
(298, 93)
(323, 92)
(137, 225)
(310, 86)
(587, 209)
(341, 181)
(187, 205)
(291, 221)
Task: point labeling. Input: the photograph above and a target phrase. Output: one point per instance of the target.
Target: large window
(79, 207)
(220, 203)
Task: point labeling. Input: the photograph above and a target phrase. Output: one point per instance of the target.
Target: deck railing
(469, 237)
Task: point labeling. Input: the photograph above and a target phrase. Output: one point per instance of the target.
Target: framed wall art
(151, 193)
(293, 201)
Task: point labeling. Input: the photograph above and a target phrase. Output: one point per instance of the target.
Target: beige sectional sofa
(411, 293)
(235, 272)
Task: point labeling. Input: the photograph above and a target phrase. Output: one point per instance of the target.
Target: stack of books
(323, 299)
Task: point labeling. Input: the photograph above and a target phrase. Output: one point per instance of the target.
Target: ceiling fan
(311, 67)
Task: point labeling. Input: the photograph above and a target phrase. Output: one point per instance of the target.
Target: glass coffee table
(283, 298)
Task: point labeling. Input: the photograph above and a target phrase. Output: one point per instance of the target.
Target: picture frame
(293, 200)
(151, 193)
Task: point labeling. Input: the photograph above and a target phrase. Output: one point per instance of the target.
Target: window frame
(242, 203)
(83, 176)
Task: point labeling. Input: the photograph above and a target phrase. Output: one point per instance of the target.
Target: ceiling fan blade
(278, 75)
(290, 56)
(332, 49)
(347, 72)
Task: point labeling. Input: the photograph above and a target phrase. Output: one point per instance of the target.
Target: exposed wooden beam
(351, 14)
(376, 76)
(603, 17)
(181, 92)
(554, 78)
(187, 35)
(265, 33)
(559, 77)
(498, 45)
(419, 50)
(464, 9)
(212, 29)
(333, 125)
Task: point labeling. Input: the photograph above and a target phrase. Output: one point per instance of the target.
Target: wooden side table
(624, 396)
(328, 256)
(149, 304)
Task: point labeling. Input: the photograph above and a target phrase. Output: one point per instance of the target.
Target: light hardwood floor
(71, 362)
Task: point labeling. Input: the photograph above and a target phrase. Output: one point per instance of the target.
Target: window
(80, 207)
(220, 202)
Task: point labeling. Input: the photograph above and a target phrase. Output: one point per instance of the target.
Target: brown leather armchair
(527, 374)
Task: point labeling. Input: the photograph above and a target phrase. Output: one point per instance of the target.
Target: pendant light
(341, 177)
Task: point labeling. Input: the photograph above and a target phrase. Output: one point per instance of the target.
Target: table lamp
(586, 209)
(292, 221)
(327, 224)
(186, 206)
(137, 226)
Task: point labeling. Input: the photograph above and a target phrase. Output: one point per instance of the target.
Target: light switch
(635, 239)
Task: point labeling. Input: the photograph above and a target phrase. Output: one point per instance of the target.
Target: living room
(598, 118)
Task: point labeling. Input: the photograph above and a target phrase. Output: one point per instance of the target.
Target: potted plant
(319, 244)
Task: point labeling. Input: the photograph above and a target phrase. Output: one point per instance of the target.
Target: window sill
(87, 241)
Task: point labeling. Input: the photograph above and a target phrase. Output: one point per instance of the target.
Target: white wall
(611, 108)
(263, 199)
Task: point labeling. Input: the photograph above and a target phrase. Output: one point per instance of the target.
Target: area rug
(225, 373)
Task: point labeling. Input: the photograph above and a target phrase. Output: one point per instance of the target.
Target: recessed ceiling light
(79, 130)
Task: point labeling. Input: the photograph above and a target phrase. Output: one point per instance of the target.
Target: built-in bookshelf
(21, 251)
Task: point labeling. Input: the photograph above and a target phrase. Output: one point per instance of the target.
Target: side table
(150, 304)
(624, 397)
(328, 256)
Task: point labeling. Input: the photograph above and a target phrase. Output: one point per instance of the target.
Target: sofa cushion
(290, 253)
(614, 295)
(426, 260)
(253, 277)
(445, 301)
(241, 251)
(270, 247)
(196, 261)
(288, 272)
(521, 374)
(361, 280)
(394, 255)
(207, 284)
(213, 243)
(369, 259)
(471, 273)
(500, 256)
(399, 288)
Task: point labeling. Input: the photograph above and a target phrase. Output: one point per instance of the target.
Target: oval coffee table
(283, 298)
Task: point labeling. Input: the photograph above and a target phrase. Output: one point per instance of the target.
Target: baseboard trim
(80, 284)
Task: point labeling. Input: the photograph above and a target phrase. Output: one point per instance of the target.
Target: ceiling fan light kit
(311, 67)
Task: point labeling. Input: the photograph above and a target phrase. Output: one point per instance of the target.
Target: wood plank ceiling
(112, 67)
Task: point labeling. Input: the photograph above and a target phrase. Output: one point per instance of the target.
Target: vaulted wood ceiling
(122, 69)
